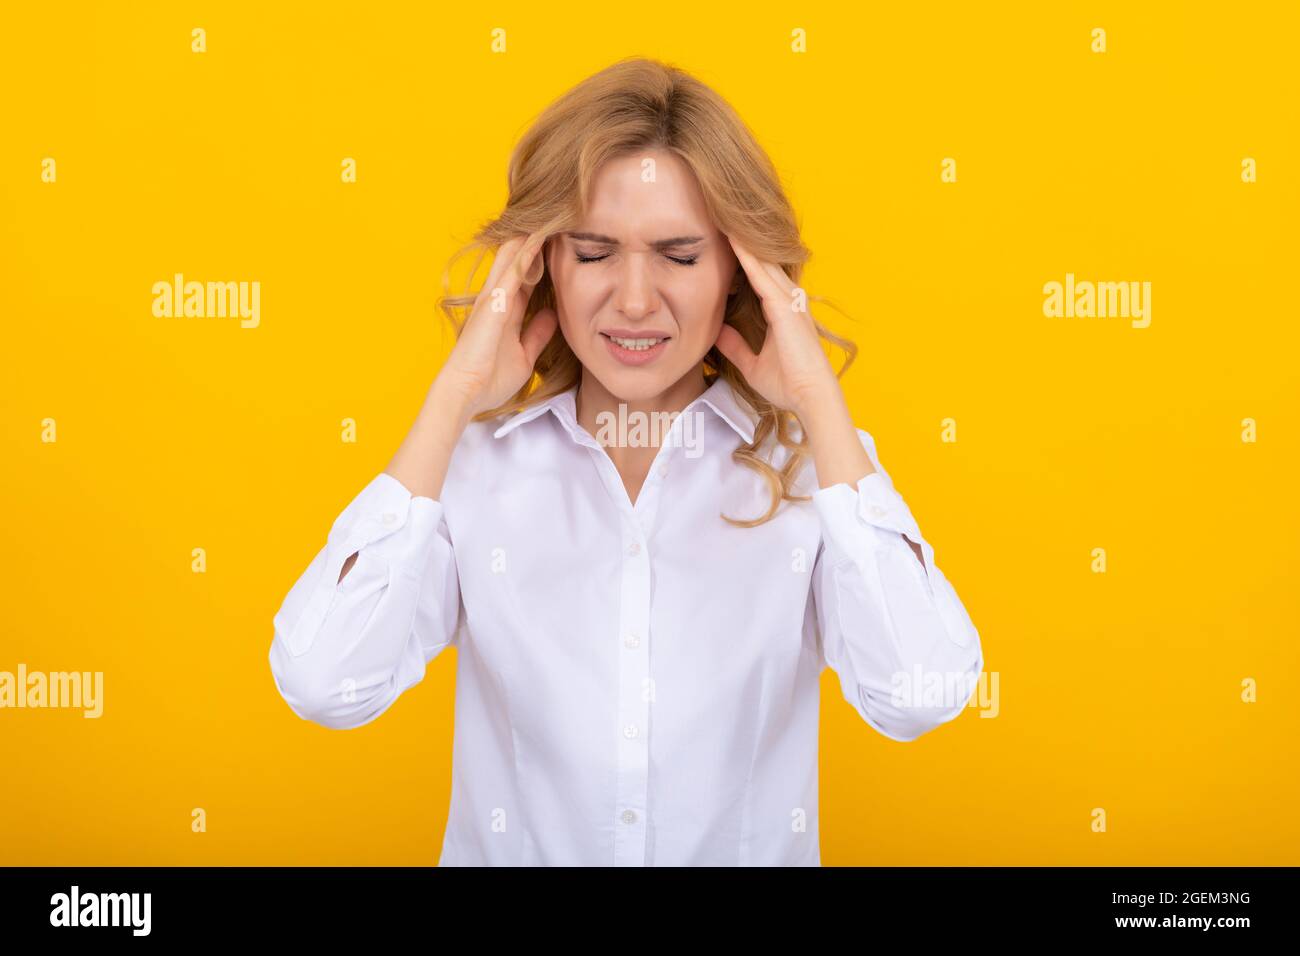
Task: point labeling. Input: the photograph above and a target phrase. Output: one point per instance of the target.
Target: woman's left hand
(791, 370)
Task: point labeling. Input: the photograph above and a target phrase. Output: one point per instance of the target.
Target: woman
(641, 613)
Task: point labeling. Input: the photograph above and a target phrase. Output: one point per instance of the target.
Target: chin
(634, 385)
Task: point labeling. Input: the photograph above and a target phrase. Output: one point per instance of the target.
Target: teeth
(636, 345)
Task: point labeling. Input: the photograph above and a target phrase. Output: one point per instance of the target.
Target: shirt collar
(733, 410)
(719, 396)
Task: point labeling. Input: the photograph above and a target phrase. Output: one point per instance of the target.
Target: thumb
(734, 347)
(539, 332)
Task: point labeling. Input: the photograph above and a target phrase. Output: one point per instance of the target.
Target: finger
(494, 298)
(733, 345)
(759, 280)
(537, 264)
(778, 275)
(772, 292)
(540, 329)
(523, 259)
(505, 255)
(488, 294)
(516, 273)
(528, 281)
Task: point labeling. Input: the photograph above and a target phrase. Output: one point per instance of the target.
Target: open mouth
(635, 350)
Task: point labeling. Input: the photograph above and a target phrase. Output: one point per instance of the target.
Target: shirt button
(634, 548)
(662, 469)
(878, 511)
(629, 731)
(631, 641)
(629, 816)
(389, 517)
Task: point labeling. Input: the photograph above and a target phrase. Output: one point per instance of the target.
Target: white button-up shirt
(636, 684)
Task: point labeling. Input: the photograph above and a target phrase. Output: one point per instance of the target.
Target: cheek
(697, 301)
(578, 291)
(575, 309)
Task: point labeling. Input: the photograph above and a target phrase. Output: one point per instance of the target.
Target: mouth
(635, 349)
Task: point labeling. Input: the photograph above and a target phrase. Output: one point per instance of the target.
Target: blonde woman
(636, 503)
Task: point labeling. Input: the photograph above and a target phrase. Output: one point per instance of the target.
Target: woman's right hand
(494, 356)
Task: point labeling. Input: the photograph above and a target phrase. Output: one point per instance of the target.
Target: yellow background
(1119, 690)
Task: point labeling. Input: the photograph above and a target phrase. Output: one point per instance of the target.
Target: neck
(593, 399)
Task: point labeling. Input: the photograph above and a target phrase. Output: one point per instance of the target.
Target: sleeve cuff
(382, 507)
(869, 517)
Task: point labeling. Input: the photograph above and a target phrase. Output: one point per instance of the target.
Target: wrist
(447, 403)
(824, 410)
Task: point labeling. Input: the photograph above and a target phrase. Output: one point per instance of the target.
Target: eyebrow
(658, 244)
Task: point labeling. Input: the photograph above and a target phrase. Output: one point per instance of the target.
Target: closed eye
(685, 261)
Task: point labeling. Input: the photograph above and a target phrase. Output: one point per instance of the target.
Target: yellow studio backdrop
(1113, 498)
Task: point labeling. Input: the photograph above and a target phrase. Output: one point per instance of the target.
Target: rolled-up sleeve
(344, 651)
(894, 631)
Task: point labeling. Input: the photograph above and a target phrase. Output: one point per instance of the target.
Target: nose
(635, 295)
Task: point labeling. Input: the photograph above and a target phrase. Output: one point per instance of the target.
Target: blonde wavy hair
(634, 105)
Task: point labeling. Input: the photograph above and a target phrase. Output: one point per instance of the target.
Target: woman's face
(641, 284)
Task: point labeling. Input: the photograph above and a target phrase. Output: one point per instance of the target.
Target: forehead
(646, 192)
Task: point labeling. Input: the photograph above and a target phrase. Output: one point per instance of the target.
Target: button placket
(633, 709)
(647, 500)
(632, 730)
(632, 776)
(634, 673)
